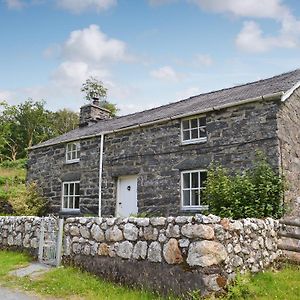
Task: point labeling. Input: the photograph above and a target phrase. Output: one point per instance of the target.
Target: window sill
(74, 161)
(191, 142)
(195, 208)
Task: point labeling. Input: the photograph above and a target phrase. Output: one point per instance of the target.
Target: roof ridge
(202, 94)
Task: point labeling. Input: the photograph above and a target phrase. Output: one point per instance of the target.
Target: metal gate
(50, 245)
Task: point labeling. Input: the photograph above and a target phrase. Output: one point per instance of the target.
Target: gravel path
(8, 294)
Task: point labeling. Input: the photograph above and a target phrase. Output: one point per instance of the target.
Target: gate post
(41, 241)
(59, 241)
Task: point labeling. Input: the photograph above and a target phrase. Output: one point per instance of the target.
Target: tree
(94, 89)
(64, 120)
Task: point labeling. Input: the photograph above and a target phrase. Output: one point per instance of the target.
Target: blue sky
(147, 52)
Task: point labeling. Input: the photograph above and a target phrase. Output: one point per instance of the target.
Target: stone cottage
(156, 160)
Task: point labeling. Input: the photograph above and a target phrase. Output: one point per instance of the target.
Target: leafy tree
(64, 120)
(94, 89)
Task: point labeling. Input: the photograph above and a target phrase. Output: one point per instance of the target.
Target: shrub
(14, 164)
(255, 193)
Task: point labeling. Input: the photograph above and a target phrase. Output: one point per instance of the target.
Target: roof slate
(202, 102)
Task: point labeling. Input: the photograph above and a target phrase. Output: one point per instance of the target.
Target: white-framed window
(70, 195)
(72, 152)
(193, 130)
(192, 186)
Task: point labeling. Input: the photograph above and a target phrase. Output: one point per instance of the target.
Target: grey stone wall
(289, 138)
(47, 166)
(156, 155)
(23, 232)
(204, 251)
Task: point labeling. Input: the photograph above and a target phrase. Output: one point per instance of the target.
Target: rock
(110, 221)
(150, 233)
(269, 244)
(130, 232)
(206, 253)
(162, 238)
(180, 219)
(94, 249)
(114, 234)
(237, 248)
(198, 231)
(103, 249)
(154, 252)
(86, 250)
(97, 233)
(140, 250)
(172, 253)
(124, 249)
(183, 243)
(142, 221)
(235, 226)
(84, 231)
(158, 221)
(210, 219)
(34, 243)
(255, 245)
(173, 231)
(214, 282)
(82, 220)
(76, 248)
(225, 223)
(74, 230)
(237, 261)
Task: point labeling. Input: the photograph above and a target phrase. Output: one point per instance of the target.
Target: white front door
(127, 196)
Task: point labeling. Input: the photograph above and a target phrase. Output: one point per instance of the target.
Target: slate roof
(202, 102)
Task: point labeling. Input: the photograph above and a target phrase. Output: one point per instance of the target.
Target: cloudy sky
(147, 52)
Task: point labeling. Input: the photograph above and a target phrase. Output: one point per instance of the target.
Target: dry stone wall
(209, 248)
(24, 232)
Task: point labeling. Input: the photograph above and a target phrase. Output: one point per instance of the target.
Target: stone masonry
(156, 155)
(158, 253)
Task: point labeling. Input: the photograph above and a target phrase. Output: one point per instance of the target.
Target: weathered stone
(130, 232)
(206, 253)
(198, 231)
(113, 234)
(237, 261)
(142, 221)
(150, 233)
(181, 219)
(173, 231)
(84, 231)
(87, 250)
(103, 249)
(154, 252)
(237, 248)
(140, 250)
(172, 253)
(74, 230)
(184, 243)
(214, 282)
(158, 221)
(162, 238)
(124, 249)
(97, 233)
(110, 221)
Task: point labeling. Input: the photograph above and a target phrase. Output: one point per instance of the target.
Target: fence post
(41, 241)
(59, 241)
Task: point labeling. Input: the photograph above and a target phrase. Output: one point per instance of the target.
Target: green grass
(282, 284)
(66, 282)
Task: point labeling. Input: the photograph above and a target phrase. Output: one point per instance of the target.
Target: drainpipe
(100, 173)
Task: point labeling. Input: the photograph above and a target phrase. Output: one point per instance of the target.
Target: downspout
(100, 173)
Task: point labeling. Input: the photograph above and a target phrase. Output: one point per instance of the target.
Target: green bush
(255, 193)
(14, 164)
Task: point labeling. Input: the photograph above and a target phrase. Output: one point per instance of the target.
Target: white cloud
(204, 60)
(15, 4)
(166, 73)
(78, 6)
(251, 38)
(5, 95)
(92, 45)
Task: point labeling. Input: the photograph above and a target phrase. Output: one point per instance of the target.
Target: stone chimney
(91, 113)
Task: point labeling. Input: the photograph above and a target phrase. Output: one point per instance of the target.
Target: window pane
(202, 121)
(77, 154)
(69, 147)
(195, 180)
(71, 199)
(203, 177)
(185, 124)
(74, 147)
(69, 156)
(71, 192)
(76, 188)
(186, 135)
(186, 180)
(202, 132)
(195, 134)
(76, 202)
(66, 189)
(194, 123)
(186, 198)
(65, 204)
(195, 197)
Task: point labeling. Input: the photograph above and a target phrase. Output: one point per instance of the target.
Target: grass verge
(66, 282)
